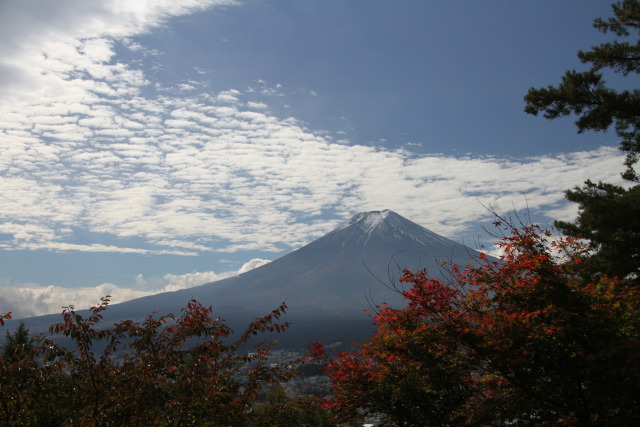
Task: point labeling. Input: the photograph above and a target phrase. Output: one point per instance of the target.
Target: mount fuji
(326, 284)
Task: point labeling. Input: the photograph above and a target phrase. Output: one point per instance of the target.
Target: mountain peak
(368, 221)
(384, 226)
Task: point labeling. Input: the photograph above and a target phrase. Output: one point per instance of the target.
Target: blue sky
(156, 145)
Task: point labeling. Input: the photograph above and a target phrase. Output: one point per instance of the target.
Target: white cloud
(228, 96)
(83, 149)
(257, 105)
(41, 36)
(215, 173)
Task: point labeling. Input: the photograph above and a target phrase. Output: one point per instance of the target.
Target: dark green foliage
(279, 409)
(17, 345)
(609, 219)
(26, 384)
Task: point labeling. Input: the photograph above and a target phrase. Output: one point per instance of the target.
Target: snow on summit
(367, 221)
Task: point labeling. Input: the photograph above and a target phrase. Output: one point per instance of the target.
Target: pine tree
(609, 215)
(585, 94)
(17, 345)
(609, 218)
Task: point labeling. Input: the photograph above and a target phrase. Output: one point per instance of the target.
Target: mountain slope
(330, 281)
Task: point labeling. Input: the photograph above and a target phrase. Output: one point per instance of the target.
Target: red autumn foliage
(529, 339)
(4, 316)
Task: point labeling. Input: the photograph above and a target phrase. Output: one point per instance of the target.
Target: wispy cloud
(204, 172)
(206, 175)
(43, 41)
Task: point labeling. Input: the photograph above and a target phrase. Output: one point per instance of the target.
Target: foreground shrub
(166, 370)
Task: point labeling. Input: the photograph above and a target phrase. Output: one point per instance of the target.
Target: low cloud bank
(26, 300)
